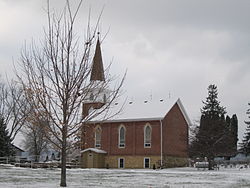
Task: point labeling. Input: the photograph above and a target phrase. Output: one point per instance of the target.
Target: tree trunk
(210, 164)
(35, 146)
(63, 161)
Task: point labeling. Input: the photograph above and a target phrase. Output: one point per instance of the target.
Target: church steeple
(99, 93)
(97, 72)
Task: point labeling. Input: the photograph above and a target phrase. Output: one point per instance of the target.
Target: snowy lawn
(11, 177)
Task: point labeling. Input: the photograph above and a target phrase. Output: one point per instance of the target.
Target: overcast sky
(175, 47)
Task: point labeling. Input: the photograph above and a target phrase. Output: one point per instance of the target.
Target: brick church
(145, 134)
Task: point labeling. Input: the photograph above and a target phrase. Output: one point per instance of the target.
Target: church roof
(97, 72)
(140, 111)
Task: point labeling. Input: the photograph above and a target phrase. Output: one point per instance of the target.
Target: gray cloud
(169, 46)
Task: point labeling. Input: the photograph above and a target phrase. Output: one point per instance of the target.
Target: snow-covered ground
(15, 177)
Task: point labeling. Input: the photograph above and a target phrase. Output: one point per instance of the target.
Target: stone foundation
(101, 161)
(170, 162)
(131, 161)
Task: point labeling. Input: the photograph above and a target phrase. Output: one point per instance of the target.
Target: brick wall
(134, 144)
(175, 134)
(87, 106)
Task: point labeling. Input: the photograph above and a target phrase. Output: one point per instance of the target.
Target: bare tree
(193, 130)
(13, 107)
(56, 76)
(35, 139)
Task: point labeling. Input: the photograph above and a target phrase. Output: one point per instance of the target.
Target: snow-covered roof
(94, 150)
(140, 110)
(17, 148)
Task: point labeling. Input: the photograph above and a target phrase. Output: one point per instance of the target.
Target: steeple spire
(97, 72)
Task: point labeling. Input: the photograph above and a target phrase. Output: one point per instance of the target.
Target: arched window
(147, 135)
(98, 133)
(122, 135)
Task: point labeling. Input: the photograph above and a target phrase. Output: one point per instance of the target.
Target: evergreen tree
(212, 106)
(234, 131)
(213, 138)
(228, 122)
(245, 145)
(5, 140)
(232, 126)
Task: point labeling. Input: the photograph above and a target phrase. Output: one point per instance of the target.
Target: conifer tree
(213, 138)
(234, 131)
(5, 140)
(212, 106)
(228, 122)
(232, 126)
(245, 145)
